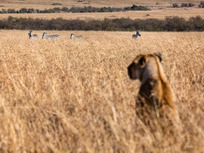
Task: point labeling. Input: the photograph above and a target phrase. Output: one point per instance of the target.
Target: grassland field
(75, 96)
(157, 14)
(42, 4)
(159, 9)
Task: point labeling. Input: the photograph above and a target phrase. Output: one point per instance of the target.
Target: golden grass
(75, 96)
(158, 14)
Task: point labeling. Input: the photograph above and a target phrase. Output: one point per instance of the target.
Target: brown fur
(154, 87)
(155, 107)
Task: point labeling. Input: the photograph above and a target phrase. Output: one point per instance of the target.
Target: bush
(196, 23)
(135, 7)
(175, 24)
(123, 24)
(175, 5)
(30, 11)
(56, 4)
(191, 5)
(65, 9)
(187, 5)
(201, 5)
(184, 5)
(23, 10)
(75, 9)
(11, 11)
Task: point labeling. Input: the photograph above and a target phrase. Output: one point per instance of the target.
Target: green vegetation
(56, 4)
(75, 9)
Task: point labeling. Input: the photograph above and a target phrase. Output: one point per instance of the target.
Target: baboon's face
(135, 68)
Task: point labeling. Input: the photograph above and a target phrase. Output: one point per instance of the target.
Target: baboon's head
(136, 68)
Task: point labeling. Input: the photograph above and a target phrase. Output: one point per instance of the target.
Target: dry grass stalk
(75, 96)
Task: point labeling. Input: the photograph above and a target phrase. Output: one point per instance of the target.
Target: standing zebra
(73, 36)
(32, 36)
(45, 35)
(137, 35)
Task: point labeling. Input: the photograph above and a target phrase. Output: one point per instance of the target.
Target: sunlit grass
(75, 96)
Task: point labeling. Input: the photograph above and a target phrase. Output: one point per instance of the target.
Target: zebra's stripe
(137, 35)
(73, 36)
(45, 35)
(31, 36)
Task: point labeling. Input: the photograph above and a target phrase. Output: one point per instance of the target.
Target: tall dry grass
(75, 96)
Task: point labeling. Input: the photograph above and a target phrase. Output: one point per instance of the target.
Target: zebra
(45, 35)
(73, 36)
(32, 36)
(137, 35)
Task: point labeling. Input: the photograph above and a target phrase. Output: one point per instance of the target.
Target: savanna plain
(152, 14)
(75, 95)
(96, 3)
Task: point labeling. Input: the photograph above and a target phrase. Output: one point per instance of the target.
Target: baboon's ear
(159, 56)
(142, 60)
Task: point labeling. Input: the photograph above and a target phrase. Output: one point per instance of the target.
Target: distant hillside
(40, 4)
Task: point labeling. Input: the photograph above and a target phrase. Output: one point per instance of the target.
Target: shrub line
(122, 24)
(85, 9)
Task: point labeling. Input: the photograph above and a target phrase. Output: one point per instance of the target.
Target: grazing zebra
(73, 36)
(32, 36)
(137, 35)
(45, 35)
